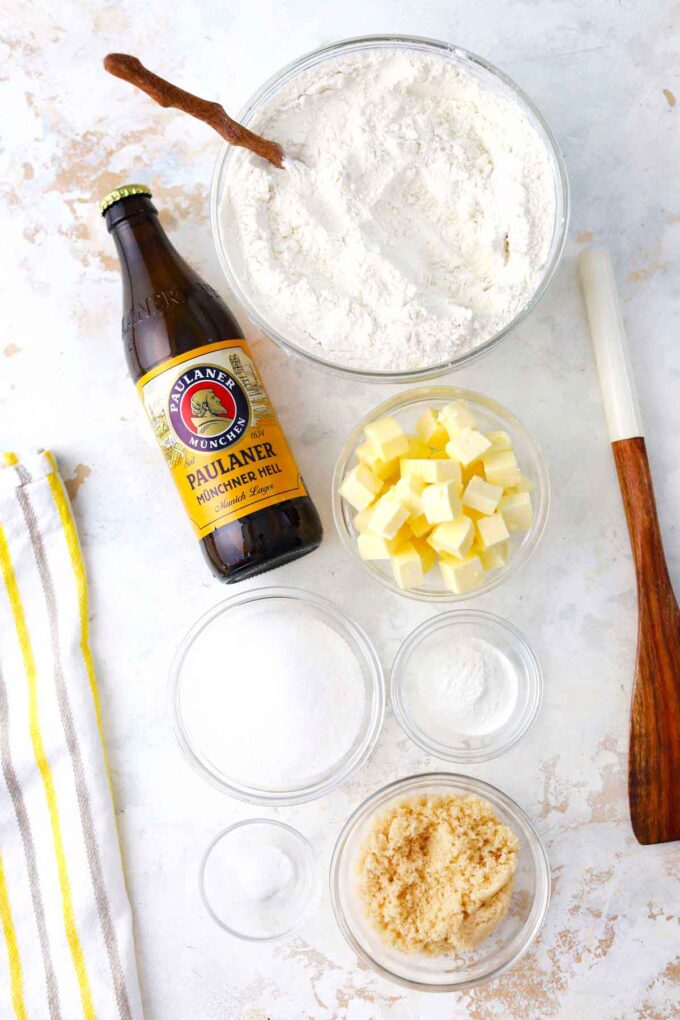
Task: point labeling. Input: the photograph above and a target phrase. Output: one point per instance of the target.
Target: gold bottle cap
(123, 192)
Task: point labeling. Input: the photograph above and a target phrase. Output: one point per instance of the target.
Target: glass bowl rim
(533, 679)
(375, 698)
(477, 787)
(310, 856)
(421, 395)
(328, 51)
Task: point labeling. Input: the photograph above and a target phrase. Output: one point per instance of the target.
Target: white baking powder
(460, 686)
(274, 703)
(413, 223)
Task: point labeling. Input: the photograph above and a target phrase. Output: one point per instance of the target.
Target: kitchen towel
(64, 912)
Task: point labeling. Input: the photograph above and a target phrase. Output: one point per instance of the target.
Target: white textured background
(605, 75)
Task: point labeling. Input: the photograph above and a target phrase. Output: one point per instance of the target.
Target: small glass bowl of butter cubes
(441, 493)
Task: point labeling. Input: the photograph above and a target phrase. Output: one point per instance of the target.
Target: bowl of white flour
(420, 216)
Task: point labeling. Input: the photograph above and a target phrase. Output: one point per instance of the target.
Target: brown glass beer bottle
(207, 406)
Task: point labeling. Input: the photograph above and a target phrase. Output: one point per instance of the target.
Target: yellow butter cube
(499, 440)
(441, 502)
(453, 537)
(517, 511)
(416, 448)
(408, 491)
(407, 567)
(492, 530)
(523, 485)
(480, 495)
(362, 519)
(495, 557)
(360, 486)
(431, 431)
(457, 416)
(385, 469)
(419, 526)
(433, 470)
(387, 438)
(377, 547)
(428, 556)
(461, 576)
(501, 468)
(467, 445)
(388, 516)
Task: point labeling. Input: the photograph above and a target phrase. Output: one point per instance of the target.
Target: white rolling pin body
(609, 340)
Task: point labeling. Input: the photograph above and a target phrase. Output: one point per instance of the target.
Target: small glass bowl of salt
(259, 880)
(466, 686)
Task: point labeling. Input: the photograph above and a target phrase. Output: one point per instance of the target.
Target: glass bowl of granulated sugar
(419, 217)
(277, 696)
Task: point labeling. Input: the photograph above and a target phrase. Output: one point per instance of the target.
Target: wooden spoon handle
(166, 94)
(654, 754)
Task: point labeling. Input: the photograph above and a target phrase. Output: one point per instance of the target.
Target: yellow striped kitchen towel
(64, 912)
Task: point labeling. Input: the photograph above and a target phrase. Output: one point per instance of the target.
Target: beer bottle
(206, 403)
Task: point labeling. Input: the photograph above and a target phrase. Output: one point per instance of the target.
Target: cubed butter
(523, 485)
(501, 468)
(461, 576)
(480, 495)
(433, 470)
(388, 516)
(453, 537)
(517, 511)
(360, 486)
(441, 502)
(495, 556)
(385, 469)
(387, 438)
(416, 448)
(377, 547)
(492, 530)
(467, 445)
(428, 556)
(499, 440)
(457, 416)
(408, 491)
(407, 567)
(362, 519)
(419, 526)
(431, 431)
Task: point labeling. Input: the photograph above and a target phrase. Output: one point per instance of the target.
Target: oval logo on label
(208, 408)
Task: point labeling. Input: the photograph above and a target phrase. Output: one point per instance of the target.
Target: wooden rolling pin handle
(163, 92)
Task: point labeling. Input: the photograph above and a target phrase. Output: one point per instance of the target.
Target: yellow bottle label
(219, 434)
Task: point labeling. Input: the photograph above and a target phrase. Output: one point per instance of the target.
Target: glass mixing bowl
(406, 408)
(500, 951)
(489, 77)
(247, 611)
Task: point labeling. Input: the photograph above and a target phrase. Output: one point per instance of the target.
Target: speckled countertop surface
(606, 75)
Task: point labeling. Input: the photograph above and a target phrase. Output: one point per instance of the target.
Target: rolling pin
(654, 750)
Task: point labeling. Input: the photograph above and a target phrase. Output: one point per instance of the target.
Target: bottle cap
(124, 192)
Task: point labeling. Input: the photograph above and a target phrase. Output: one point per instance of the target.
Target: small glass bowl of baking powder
(466, 686)
(500, 951)
(490, 78)
(406, 408)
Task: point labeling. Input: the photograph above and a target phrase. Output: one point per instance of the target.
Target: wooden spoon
(164, 93)
(654, 760)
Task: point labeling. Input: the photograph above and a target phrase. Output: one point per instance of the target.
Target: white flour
(413, 222)
(460, 687)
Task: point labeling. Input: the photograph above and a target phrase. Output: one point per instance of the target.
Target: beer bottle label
(219, 434)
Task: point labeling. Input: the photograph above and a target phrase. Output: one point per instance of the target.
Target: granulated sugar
(413, 222)
(274, 704)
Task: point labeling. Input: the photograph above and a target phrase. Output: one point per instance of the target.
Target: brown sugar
(436, 873)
